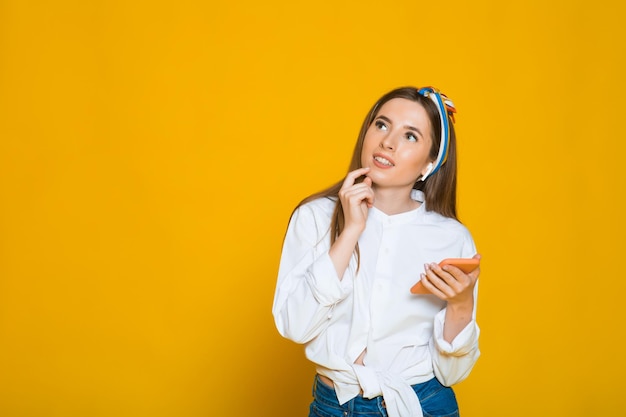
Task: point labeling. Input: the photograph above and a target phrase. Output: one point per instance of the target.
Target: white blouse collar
(405, 217)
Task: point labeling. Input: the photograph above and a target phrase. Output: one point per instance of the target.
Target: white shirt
(373, 308)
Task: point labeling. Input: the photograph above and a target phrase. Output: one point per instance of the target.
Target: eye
(411, 137)
(380, 125)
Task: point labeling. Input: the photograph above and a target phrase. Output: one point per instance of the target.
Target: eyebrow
(409, 127)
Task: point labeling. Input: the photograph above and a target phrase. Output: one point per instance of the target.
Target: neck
(394, 200)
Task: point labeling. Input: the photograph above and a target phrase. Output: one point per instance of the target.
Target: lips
(383, 161)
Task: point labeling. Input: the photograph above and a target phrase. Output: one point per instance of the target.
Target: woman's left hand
(451, 284)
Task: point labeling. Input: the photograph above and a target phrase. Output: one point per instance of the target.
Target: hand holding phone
(466, 265)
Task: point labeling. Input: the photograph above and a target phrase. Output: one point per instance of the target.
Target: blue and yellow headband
(446, 110)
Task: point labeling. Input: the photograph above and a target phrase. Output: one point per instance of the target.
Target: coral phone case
(466, 265)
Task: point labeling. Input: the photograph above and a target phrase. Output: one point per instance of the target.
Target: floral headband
(446, 110)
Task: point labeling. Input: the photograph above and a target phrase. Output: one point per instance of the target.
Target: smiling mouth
(383, 161)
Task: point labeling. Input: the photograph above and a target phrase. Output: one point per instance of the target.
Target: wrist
(461, 308)
(353, 231)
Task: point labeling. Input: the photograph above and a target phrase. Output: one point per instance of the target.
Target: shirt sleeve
(452, 362)
(308, 286)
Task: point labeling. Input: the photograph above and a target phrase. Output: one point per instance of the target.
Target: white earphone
(429, 169)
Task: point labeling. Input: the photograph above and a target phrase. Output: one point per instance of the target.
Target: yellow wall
(151, 153)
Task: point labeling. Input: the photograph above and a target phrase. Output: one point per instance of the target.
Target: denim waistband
(326, 396)
(435, 399)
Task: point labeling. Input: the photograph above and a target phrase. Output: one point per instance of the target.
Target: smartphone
(466, 265)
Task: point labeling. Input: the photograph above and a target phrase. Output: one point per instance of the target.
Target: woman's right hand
(356, 199)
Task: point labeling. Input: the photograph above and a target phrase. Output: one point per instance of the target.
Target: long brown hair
(439, 188)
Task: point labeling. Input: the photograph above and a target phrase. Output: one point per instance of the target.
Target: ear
(427, 171)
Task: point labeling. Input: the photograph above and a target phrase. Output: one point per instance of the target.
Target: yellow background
(151, 153)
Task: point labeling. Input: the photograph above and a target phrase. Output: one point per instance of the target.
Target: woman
(352, 253)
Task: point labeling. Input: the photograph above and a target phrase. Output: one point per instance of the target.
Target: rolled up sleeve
(452, 362)
(308, 285)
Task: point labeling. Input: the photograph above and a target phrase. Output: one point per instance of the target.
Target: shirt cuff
(462, 344)
(325, 285)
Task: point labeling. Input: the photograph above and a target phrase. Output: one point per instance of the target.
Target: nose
(388, 142)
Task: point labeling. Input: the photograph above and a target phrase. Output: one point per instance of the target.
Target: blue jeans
(436, 401)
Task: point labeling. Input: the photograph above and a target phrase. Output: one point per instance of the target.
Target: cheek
(369, 139)
(416, 159)
(368, 145)
(364, 152)
(415, 164)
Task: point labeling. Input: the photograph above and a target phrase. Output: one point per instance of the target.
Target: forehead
(405, 112)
